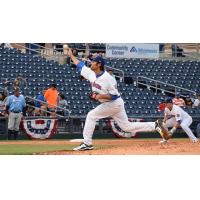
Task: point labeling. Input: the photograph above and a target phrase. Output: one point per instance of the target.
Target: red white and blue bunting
(40, 128)
(119, 133)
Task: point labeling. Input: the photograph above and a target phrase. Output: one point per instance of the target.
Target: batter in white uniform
(111, 105)
(176, 117)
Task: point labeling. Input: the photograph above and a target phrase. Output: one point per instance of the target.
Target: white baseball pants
(185, 124)
(114, 109)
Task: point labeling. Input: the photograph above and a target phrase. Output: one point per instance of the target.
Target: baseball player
(15, 105)
(175, 117)
(197, 102)
(104, 88)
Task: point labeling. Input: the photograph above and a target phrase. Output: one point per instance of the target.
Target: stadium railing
(141, 80)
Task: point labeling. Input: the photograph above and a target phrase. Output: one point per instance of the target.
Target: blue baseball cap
(168, 100)
(99, 59)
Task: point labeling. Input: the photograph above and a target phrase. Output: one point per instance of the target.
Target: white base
(76, 140)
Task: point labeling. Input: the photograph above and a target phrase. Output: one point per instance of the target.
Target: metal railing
(47, 104)
(43, 102)
(141, 80)
(37, 51)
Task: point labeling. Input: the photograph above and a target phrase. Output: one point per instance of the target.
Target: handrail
(112, 68)
(164, 83)
(60, 108)
(37, 51)
(4, 89)
(64, 109)
(45, 110)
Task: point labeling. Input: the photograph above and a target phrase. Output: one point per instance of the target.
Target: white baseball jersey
(103, 83)
(176, 112)
(196, 103)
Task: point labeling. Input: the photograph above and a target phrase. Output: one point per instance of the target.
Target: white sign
(131, 50)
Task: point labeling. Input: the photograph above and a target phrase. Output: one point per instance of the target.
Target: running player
(111, 105)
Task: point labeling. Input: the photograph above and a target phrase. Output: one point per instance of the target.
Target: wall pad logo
(133, 49)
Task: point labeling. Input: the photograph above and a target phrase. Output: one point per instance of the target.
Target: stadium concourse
(40, 73)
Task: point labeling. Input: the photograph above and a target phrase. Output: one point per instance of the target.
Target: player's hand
(94, 96)
(97, 97)
(69, 51)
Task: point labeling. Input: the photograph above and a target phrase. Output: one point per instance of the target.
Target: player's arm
(86, 72)
(165, 118)
(71, 55)
(46, 94)
(177, 124)
(103, 96)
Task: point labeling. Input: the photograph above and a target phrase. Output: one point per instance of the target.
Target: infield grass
(33, 148)
(30, 149)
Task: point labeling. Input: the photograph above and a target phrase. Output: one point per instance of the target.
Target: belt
(111, 100)
(15, 111)
(118, 97)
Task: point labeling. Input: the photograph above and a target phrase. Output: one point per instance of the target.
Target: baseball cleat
(83, 147)
(163, 132)
(163, 141)
(195, 141)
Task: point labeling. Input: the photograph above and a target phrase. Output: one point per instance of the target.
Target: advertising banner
(131, 50)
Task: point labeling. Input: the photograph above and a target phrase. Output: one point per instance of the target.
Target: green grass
(29, 149)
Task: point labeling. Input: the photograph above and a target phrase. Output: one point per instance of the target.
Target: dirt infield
(119, 147)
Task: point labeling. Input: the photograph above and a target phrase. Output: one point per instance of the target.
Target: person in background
(40, 97)
(41, 107)
(161, 106)
(51, 96)
(2, 103)
(63, 104)
(188, 102)
(197, 102)
(19, 82)
(178, 101)
(29, 111)
(15, 105)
